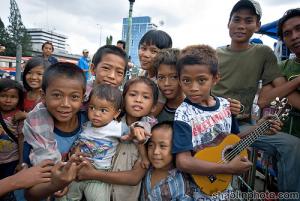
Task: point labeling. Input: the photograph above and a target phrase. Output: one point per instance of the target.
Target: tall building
(140, 25)
(40, 36)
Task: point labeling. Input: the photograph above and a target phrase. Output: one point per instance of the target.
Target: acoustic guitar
(230, 147)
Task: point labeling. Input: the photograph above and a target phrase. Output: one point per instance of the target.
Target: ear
(93, 70)
(258, 25)
(117, 114)
(217, 78)
(153, 109)
(43, 96)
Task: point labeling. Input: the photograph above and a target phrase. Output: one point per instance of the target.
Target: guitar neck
(247, 141)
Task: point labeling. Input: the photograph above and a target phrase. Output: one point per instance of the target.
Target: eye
(175, 77)
(121, 73)
(150, 145)
(56, 95)
(132, 94)
(103, 110)
(186, 81)
(146, 97)
(160, 78)
(75, 97)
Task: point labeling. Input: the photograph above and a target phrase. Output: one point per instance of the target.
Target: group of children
(108, 144)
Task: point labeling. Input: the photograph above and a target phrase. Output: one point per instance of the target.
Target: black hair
(122, 42)
(163, 124)
(158, 38)
(287, 15)
(198, 54)
(32, 63)
(109, 49)
(48, 43)
(7, 84)
(147, 81)
(63, 69)
(165, 56)
(108, 93)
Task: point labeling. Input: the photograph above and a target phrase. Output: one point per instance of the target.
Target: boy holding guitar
(202, 120)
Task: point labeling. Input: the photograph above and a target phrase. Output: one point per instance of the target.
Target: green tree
(109, 40)
(17, 32)
(4, 36)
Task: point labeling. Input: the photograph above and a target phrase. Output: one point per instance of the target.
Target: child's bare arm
(187, 163)
(143, 152)
(131, 177)
(20, 151)
(62, 175)
(27, 178)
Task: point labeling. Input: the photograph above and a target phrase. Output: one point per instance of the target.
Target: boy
(163, 181)
(289, 33)
(48, 49)
(202, 119)
(149, 46)
(241, 66)
(99, 139)
(63, 87)
(167, 81)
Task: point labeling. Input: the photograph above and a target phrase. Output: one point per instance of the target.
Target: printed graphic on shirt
(97, 149)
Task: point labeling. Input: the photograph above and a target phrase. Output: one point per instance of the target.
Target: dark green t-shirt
(291, 69)
(241, 71)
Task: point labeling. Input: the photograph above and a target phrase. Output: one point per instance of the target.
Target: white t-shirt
(101, 143)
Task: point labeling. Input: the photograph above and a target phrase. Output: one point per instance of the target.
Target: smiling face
(101, 112)
(160, 147)
(63, 98)
(242, 25)
(291, 34)
(196, 82)
(167, 81)
(34, 77)
(110, 70)
(9, 100)
(146, 56)
(138, 100)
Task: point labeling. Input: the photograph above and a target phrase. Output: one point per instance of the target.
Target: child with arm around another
(99, 140)
(163, 181)
(202, 119)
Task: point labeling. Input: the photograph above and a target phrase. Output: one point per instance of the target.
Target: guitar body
(219, 182)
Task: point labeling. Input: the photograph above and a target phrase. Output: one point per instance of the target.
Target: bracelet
(242, 109)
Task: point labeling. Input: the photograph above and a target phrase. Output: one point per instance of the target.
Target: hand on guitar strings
(239, 165)
(275, 124)
(235, 106)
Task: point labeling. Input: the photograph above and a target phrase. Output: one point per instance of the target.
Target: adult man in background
(83, 63)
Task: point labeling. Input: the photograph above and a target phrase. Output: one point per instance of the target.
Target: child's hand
(235, 106)
(140, 135)
(276, 125)
(61, 193)
(239, 165)
(145, 163)
(64, 173)
(84, 172)
(29, 177)
(19, 116)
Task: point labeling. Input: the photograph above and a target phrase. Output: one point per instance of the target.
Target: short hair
(165, 56)
(30, 64)
(198, 54)
(158, 38)
(7, 84)
(109, 49)
(63, 69)
(163, 124)
(109, 93)
(49, 43)
(122, 42)
(145, 80)
(286, 16)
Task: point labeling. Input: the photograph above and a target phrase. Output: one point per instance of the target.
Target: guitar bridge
(212, 178)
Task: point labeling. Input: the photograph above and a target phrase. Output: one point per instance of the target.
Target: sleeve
(182, 137)
(38, 133)
(271, 68)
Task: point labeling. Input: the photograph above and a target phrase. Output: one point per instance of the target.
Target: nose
(66, 101)
(111, 74)
(139, 98)
(167, 81)
(195, 86)
(156, 150)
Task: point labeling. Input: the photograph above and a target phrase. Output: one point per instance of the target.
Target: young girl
(11, 137)
(140, 97)
(32, 82)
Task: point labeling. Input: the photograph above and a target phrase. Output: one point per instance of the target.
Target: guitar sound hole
(227, 155)
(212, 178)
